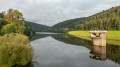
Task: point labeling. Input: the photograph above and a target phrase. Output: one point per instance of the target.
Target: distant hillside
(37, 27)
(105, 20)
(65, 25)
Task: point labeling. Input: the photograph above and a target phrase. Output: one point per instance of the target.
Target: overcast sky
(50, 12)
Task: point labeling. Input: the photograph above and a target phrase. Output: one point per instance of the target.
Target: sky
(50, 12)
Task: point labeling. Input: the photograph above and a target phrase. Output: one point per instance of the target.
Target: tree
(13, 22)
(29, 31)
(2, 23)
(2, 14)
(16, 17)
(9, 28)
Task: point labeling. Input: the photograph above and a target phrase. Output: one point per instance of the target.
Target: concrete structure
(98, 40)
(98, 53)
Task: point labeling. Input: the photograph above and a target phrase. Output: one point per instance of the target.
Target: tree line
(105, 20)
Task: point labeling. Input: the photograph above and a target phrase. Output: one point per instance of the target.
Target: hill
(67, 23)
(105, 20)
(65, 26)
(37, 27)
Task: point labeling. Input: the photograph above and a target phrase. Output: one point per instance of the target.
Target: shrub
(14, 37)
(12, 53)
(14, 50)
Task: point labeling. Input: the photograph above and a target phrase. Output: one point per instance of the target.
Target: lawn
(113, 37)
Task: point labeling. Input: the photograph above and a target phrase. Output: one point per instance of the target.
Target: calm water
(61, 50)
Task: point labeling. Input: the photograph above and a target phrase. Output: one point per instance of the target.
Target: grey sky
(50, 12)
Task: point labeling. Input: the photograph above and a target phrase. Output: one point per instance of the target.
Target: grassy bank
(113, 37)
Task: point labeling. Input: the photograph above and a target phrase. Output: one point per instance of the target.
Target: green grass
(113, 37)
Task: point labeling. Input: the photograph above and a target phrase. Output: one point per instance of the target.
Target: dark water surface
(62, 50)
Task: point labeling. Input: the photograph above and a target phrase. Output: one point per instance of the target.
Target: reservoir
(63, 50)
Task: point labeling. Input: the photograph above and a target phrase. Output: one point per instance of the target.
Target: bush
(14, 50)
(14, 37)
(12, 53)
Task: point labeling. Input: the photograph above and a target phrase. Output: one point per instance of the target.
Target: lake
(63, 50)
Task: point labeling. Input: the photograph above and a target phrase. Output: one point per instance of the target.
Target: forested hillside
(37, 27)
(65, 26)
(105, 20)
(67, 23)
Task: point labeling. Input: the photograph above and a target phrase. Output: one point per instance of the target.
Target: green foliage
(67, 23)
(2, 14)
(9, 28)
(14, 49)
(14, 37)
(14, 16)
(65, 26)
(11, 54)
(29, 31)
(14, 45)
(105, 20)
(2, 23)
(13, 22)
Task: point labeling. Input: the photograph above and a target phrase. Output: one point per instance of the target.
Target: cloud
(50, 12)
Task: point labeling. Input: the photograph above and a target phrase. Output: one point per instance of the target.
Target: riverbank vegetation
(13, 21)
(15, 50)
(112, 36)
(15, 36)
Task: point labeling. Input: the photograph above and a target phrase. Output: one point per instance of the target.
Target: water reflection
(98, 53)
(39, 36)
(111, 53)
